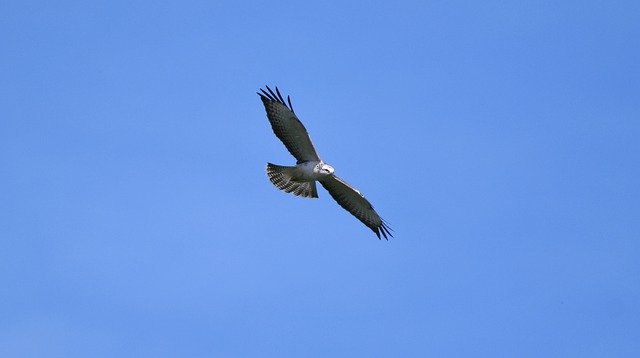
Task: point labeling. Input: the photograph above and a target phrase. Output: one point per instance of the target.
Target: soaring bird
(301, 179)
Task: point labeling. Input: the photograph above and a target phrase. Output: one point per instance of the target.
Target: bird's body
(310, 171)
(301, 179)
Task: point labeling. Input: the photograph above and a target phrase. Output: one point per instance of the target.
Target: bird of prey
(301, 179)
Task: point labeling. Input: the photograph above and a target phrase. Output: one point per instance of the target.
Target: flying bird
(300, 179)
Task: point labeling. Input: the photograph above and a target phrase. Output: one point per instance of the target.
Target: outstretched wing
(287, 126)
(355, 203)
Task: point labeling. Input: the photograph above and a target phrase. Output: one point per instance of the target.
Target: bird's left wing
(355, 203)
(287, 126)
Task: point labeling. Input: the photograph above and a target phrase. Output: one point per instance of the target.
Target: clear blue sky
(499, 140)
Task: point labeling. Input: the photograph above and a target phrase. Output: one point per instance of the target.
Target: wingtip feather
(279, 95)
(270, 95)
(383, 230)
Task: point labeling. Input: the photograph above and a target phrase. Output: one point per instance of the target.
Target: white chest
(306, 171)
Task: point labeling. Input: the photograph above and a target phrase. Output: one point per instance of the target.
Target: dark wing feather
(355, 203)
(287, 127)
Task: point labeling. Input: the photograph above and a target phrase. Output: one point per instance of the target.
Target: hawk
(301, 179)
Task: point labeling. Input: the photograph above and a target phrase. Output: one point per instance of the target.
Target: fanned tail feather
(282, 178)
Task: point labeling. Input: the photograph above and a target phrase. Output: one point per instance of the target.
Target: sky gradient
(498, 139)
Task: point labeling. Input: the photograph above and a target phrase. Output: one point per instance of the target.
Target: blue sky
(498, 139)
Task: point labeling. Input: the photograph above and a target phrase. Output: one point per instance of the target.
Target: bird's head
(323, 169)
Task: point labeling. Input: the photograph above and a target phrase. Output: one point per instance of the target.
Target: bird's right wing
(350, 198)
(287, 127)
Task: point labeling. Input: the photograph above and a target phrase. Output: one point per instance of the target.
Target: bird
(300, 180)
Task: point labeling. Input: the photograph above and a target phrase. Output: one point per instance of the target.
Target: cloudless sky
(498, 139)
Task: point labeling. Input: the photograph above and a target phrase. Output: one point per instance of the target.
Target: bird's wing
(355, 203)
(287, 126)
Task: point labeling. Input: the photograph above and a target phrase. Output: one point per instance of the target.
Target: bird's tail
(283, 178)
